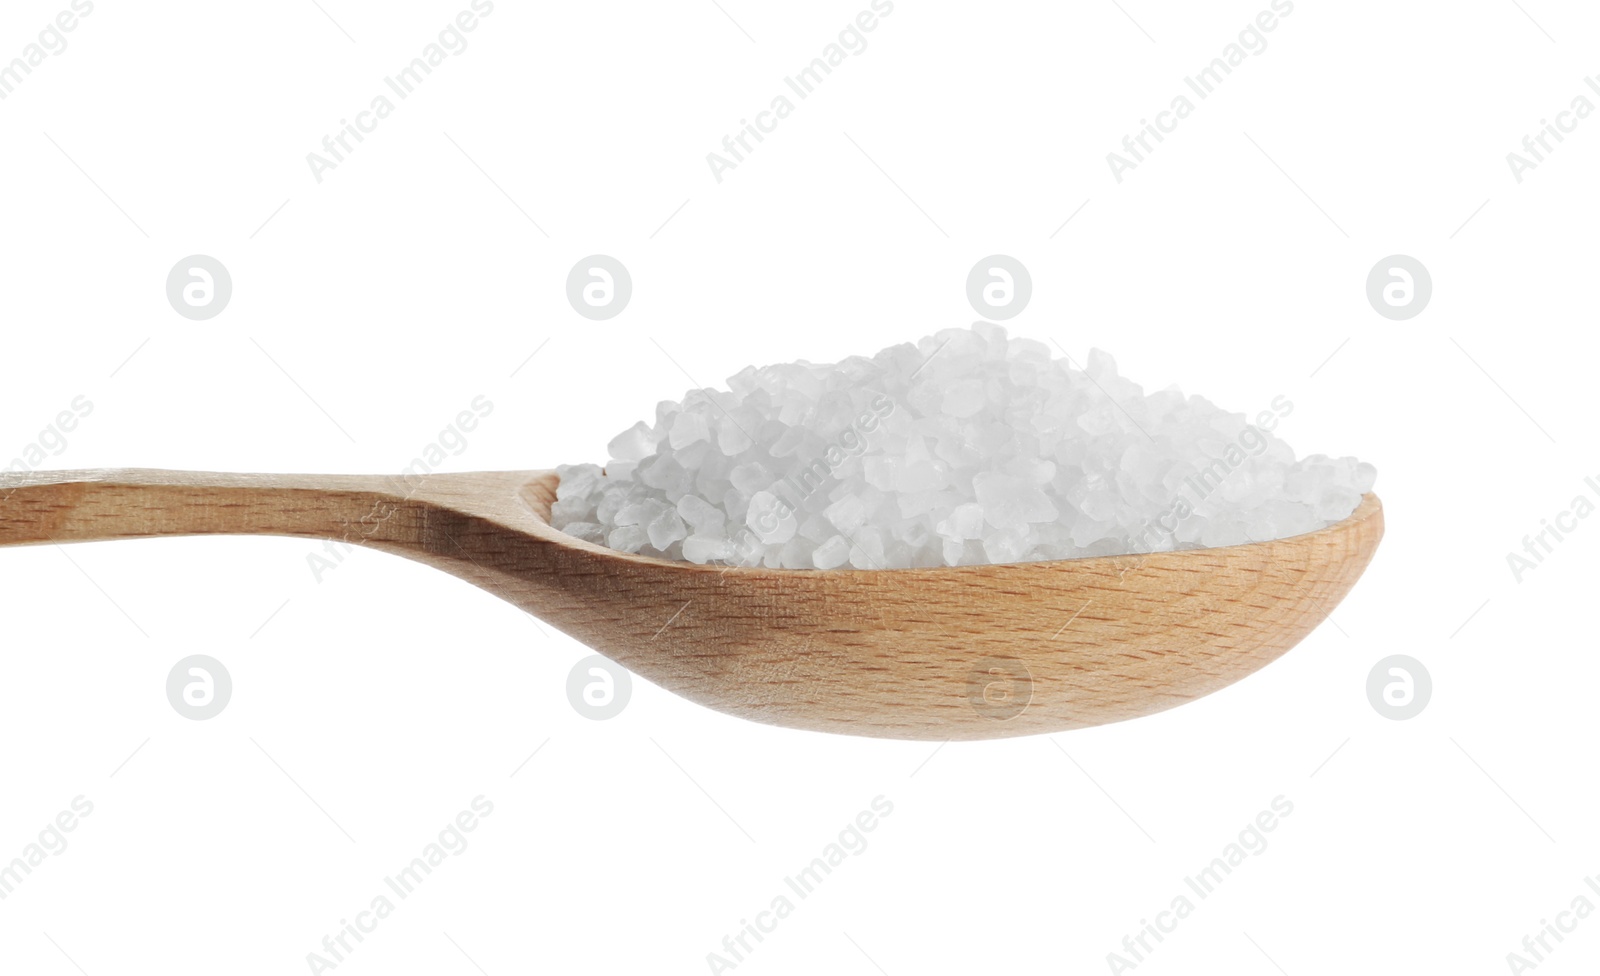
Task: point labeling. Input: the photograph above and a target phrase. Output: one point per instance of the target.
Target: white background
(369, 708)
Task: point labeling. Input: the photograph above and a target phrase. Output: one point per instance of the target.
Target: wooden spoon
(970, 652)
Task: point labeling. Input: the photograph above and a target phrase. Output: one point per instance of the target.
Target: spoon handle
(128, 503)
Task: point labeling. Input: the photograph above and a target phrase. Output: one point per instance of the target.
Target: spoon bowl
(965, 652)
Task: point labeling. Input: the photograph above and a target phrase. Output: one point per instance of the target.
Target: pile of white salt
(967, 447)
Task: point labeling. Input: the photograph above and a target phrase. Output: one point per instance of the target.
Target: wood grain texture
(969, 652)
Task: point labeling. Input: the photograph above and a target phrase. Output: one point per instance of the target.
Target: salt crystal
(628, 538)
(1086, 531)
(815, 528)
(706, 548)
(1336, 500)
(1222, 532)
(914, 503)
(631, 513)
(964, 522)
(634, 444)
(581, 480)
(587, 531)
(965, 447)
(1366, 475)
(605, 510)
(733, 439)
(788, 442)
(867, 550)
(953, 551)
(664, 473)
(964, 399)
(570, 509)
(700, 513)
(847, 514)
(831, 554)
(665, 529)
(881, 471)
(796, 554)
(751, 478)
(920, 476)
(688, 428)
(770, 518)
(1006, 545)
(1011, 502)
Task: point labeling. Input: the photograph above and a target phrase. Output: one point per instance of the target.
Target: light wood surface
(970, 652)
